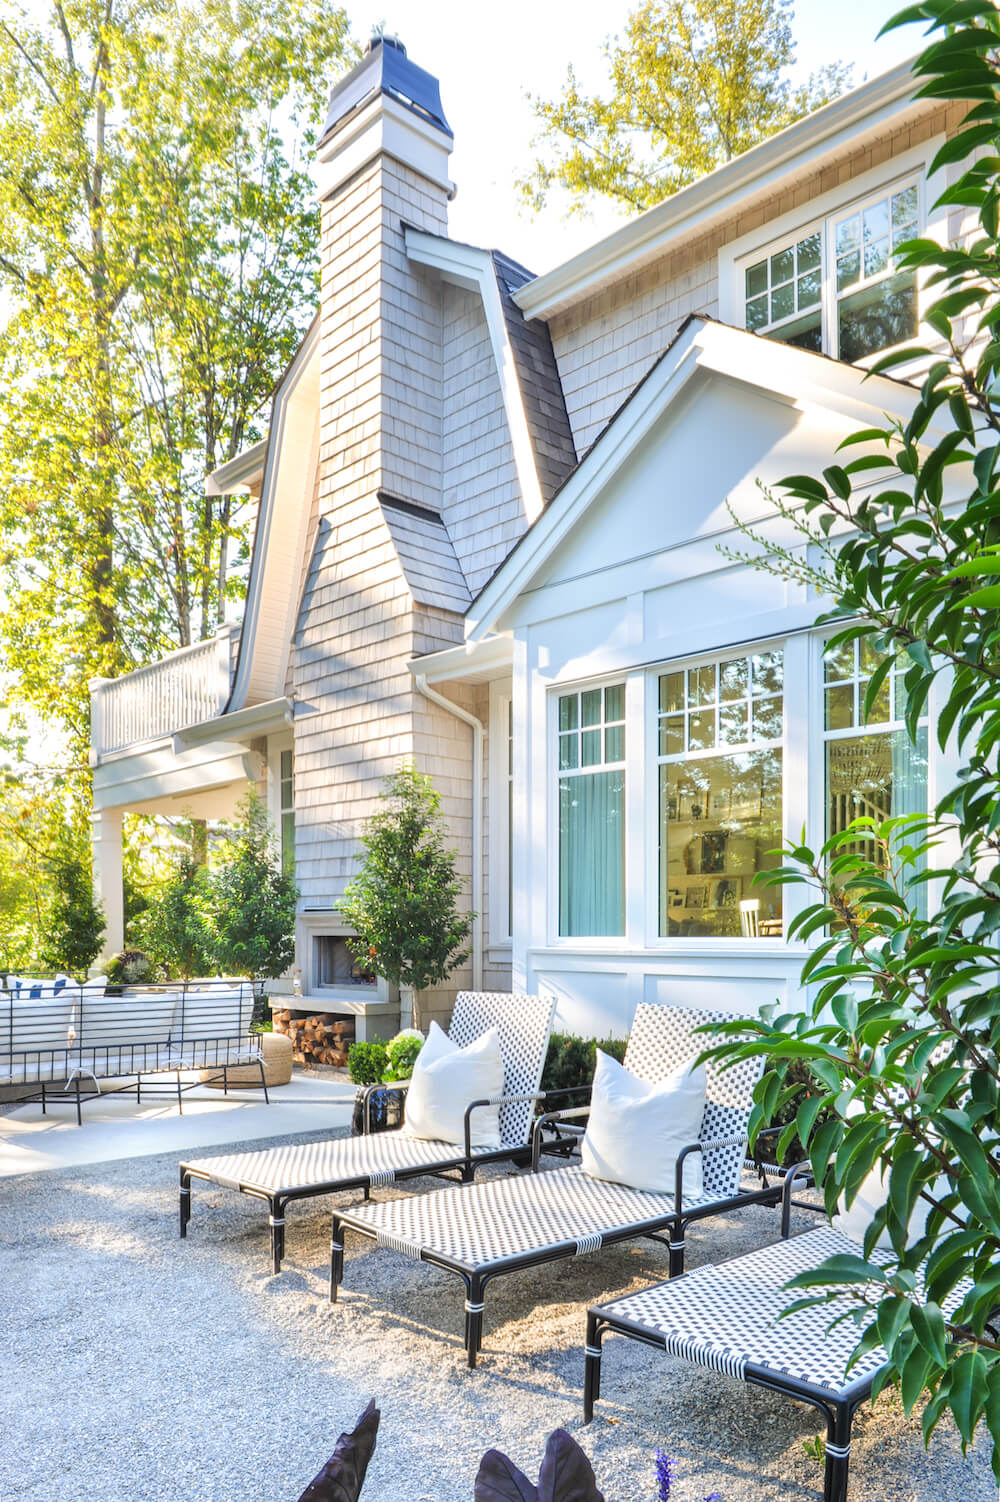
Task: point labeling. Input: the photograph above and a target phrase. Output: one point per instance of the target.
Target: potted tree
(254, 902)
(403, 903)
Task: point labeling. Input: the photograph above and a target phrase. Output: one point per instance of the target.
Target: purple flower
(666, 1469)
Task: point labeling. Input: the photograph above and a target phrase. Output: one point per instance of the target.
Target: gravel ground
(140, 1367)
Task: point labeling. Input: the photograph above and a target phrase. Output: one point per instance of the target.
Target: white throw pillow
(636, 1130)
(445, 1079)
(853, 1220)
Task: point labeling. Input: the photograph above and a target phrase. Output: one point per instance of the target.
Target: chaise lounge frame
(483, 1231)
(280, 1175)
(727, 1319)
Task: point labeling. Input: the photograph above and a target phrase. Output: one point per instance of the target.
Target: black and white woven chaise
(727, 1318)
(481, 1231)
(279, 1175)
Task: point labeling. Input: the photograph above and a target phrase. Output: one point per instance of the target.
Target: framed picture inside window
(696, 895)
(727, 891)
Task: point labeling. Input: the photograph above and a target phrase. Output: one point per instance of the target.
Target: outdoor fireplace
(336, 967)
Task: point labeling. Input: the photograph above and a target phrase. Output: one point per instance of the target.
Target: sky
(489, 59)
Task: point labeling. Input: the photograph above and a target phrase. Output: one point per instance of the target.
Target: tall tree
(693, 84)
(158, 254)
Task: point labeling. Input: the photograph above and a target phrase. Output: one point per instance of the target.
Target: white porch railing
(186, 688)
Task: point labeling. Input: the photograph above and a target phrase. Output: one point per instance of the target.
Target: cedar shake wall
(605, 344)
(380, 404)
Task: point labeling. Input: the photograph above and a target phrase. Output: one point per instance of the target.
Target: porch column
(106, 848)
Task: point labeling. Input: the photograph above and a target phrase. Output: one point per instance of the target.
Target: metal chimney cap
(386, 69)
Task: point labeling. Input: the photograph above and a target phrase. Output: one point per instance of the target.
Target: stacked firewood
(317, 1040)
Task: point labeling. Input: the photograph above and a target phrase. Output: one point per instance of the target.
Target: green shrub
(796, 1073)
(401, 1054)
(571, 1061)
(366, 1062)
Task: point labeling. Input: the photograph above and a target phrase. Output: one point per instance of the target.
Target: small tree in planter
(254, 901)
(403, 903)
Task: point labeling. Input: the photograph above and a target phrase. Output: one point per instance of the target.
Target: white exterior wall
(605, 344)
(641, 583)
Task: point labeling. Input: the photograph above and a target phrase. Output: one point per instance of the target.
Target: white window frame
(633, 684)
(794, 793)
(821, 211)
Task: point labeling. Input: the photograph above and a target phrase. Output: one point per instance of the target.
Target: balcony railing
(186, 688)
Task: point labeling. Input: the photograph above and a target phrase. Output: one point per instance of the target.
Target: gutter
(478, 732)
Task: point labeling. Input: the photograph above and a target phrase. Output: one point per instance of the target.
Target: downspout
(478, 731)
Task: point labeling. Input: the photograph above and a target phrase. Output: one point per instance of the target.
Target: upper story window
(834, 287)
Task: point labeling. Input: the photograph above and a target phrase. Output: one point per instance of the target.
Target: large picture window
(719, 729)
(873, 769)
(591, 762)
(834, 287)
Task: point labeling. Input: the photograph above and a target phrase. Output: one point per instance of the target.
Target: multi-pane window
(591, 764)
(835, 287)
(719, 729)
(873, 769)
(286, 806)
(784, 293)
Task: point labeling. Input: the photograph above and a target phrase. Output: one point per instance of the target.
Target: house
(495, 536)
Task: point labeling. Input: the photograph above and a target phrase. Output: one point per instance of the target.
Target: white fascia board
(384, 127)
(239, 472)
(689, 211)
(803, 380)
(307, 354)
(256, 720)
(477, 662)
(472, 268)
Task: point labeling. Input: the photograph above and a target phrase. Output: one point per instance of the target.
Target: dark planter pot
(385, 1111)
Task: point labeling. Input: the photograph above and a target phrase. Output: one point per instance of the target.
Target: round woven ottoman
(277, 1053)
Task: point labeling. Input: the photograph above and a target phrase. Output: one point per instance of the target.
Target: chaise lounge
(280, 1175)
(483, 1231)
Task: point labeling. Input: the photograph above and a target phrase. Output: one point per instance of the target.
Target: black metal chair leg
(838, 1454)
(336, 1258)
(473, 1320)
(185, 1201)
(592, 1367)
(276, 1220)
(676, 1245)
(180, 1102)
(263, 1082)
(43, 1097)
(79, 1113)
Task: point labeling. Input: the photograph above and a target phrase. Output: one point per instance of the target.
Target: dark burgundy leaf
(343, 1476)
(499, 1480)
(566, 1474)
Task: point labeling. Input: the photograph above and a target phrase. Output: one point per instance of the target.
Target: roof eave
(654, 233)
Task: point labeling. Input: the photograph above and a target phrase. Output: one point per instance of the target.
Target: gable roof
(702, 347)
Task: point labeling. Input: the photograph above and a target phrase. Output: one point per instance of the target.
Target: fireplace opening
(337, 967)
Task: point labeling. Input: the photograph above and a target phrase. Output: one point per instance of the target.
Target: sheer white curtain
(592, 854)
